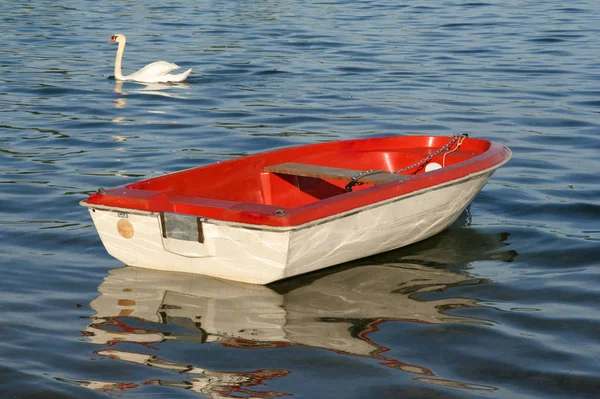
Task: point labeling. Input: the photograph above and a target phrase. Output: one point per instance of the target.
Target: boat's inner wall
(244, 179)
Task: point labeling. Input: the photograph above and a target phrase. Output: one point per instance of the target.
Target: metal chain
(429, 157)
(364, 173)
(357, 176)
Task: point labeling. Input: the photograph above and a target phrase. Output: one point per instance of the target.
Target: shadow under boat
(318, 309)
(335, 309)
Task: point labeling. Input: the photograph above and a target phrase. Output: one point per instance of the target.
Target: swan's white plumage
(157, 72)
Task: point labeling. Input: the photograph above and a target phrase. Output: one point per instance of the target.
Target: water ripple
(502, 305)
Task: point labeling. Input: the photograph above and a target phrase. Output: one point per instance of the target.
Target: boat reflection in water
(335, 310)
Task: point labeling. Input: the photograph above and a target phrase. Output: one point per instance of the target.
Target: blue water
(502, 305)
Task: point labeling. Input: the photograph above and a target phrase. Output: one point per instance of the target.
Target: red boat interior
(246, 180)
(296, 185)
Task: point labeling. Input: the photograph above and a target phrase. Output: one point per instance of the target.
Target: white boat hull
(262, 254)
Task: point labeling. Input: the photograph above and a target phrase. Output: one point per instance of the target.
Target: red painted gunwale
(237, 190)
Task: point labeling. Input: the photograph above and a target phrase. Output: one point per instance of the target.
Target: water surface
(502, 305)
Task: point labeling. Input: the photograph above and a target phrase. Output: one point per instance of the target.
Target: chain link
(429, 157)
(359, 175)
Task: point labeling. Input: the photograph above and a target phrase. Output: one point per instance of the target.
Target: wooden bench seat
(326, 172)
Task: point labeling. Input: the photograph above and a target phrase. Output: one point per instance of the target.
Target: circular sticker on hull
(125, 228)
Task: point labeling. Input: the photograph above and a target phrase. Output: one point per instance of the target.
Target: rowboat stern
(171, 243)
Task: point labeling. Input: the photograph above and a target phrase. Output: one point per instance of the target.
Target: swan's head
(117, 38)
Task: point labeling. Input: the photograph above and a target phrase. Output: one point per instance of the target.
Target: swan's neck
(120, 50)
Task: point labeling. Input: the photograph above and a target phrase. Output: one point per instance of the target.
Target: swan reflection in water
(336, 310)
(158, 89)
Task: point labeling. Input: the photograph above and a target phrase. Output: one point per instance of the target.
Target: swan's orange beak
(112, 40)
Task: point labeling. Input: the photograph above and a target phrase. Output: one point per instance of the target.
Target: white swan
(157, 72)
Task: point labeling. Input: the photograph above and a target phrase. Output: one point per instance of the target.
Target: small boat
(274, 215)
